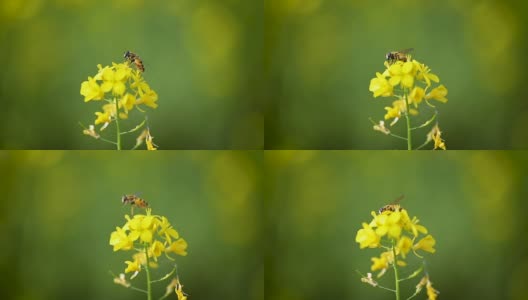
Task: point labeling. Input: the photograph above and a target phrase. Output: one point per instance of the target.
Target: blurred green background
(202, 57)
(473, 203)
(320, 56)
(59, 209)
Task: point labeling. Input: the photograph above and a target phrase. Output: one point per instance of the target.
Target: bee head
(124, 198)
(127, 54)
(388, 56)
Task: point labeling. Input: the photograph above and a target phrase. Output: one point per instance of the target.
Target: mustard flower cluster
(397, 235)
(410, 84)
(120, 89)
(149, 236)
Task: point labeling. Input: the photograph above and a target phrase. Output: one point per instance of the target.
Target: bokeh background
(59, 209)
(202, 57)
(320, 56)
(473, 203)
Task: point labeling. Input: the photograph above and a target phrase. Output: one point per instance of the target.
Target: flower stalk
(118, 131)
(147, 270)
(408, 119)
(396, 274)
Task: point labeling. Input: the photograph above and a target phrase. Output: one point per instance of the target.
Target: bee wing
(405, 51)
(397, 200)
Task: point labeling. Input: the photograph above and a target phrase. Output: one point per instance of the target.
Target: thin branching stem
(426, 123)
(396, 275)
(118, 144)
(408, 119)
(397, 136)
(424, 144)
(166, 276)
(147, 270)
(135, 128)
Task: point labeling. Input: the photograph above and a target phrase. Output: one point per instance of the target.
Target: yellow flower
(426, 244)
(412, 225)
(156, 249)
(167, 231)
(367, 237)
(379, 86)
(398, 107)
(404, 245)
(388, 224)
(148, 235)
(149, 99)
(425, 74)
(114, 80)
(120, 240)
(382, 262)
(133, 266)
(402, 73)
(139, 84)
(179, 247)
(438, 93)
(416, 96)
(393, 112)
(127, 101)
(107, 114)
(91, 90)
(142, 226)
(395, 225)
(102, 117)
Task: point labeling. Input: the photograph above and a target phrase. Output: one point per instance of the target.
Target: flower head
(426, 244)
(91, 90)
(379, 86)
(425, 74)
(114, 78)
(395, 233)
(120, 240)
(416, 96)
(367, 237)
(410, 82)
(150, 235)
(402, 73)
(122, 89)
(396, 228)
(438, 93)
(179, 247)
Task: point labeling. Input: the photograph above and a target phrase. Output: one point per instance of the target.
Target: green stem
(396, 275)
(408, 118)
(147, 270)
(117, 125)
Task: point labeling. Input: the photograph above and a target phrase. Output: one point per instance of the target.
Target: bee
(394, 206)
(134, 200)
(134, 58)
(394, 56)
